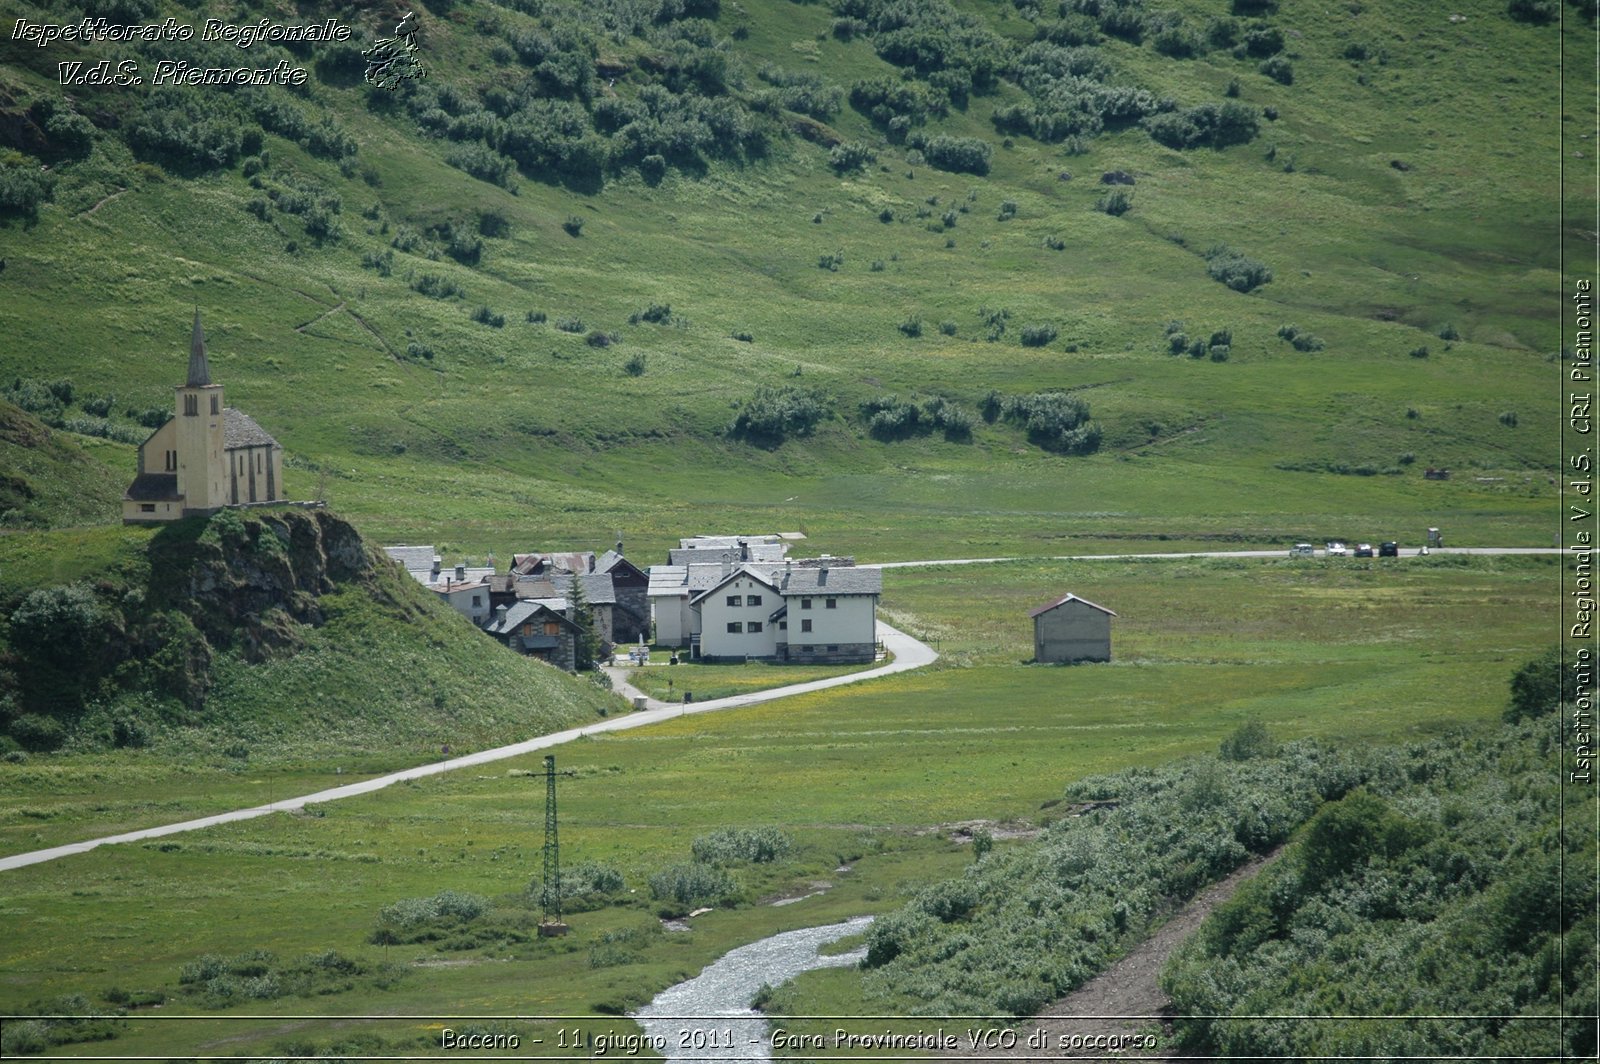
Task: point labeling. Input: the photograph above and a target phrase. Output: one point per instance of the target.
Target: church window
(214, 404)
(191, 405)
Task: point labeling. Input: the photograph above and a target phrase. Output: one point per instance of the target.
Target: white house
(808, 612)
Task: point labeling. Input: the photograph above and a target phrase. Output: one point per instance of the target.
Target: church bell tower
(201, 466)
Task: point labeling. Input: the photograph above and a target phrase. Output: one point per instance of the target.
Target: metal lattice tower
(552, 847)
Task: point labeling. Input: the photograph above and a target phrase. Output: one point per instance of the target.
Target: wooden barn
(1071, 629)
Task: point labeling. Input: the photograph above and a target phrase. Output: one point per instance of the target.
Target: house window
(805, 624)
(735, 626)
(147, 507)
(805, 604)
(214, 405)
(755, 600)
(527, 629)
(734, 600)
(833, 648)
(754, 626)
(783, 626)
(552, 627)
(832, 604)
(477, 600)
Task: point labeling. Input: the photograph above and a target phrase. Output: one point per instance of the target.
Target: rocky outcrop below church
(146, 637)
(251, 580)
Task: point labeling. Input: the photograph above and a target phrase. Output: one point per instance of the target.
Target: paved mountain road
(907, 653)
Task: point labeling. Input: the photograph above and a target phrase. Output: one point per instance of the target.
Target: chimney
(437, 562)
(461, 572)
(500, 612)
(727, 564)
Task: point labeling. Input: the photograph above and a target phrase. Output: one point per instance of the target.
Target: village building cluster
(718, 598)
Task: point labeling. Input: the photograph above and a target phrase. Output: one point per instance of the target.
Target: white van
(1302, 550)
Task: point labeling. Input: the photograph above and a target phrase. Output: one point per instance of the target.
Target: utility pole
(551, 925)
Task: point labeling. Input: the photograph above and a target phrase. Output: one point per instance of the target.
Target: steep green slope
(276, 638)
(1386, 216)
(56, 478)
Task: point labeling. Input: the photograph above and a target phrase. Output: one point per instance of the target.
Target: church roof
(240, 430)
(153, 487)
(199, 371)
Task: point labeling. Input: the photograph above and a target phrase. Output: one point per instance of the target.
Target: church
(206, 457)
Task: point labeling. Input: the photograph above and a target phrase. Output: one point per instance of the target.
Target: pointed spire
(199, 372)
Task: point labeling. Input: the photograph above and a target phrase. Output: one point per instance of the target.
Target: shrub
(570, 325)
(948, 328)
(1278, 69)
(437, 287)
(573, 225)
(771, 415)
(1420, 352)
(754, 845)
(995, 322)
(1248, 741)
(744, 337)
(967, 155)
(1541, 685)
(1235, 270)
(1055, 243)
(1177, 343)
(1116, 203)
(850, 156)
(692, 884)
(886, 216)
(1204, 125)
(1307, 342)
(912, 326)
(1008, 211)
(484, 316)
(1037, 335)
(23, 188)
(585, 886)
(1508, 418)
(655, 314)
(537, 317)
(1449, 332)
(1534, 12)
(415, 349)
(1055, 421)
(831, 262)
(600, 338)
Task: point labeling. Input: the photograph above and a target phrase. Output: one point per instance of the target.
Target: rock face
(252, 580)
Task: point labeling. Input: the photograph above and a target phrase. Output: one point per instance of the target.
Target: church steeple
(199, 371)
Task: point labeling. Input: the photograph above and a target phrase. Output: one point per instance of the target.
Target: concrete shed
(1071, 629)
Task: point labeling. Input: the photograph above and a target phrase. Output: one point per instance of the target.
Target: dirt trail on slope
(1127, 988)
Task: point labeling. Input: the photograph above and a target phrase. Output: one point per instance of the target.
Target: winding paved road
(907, 652)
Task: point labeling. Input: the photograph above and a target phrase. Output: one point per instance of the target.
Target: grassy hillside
(1386, 223)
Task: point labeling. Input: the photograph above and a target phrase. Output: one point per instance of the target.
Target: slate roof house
(1071, 629)
(206, 457)
(539, 628)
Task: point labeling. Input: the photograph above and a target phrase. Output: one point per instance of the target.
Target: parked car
(1390, 549)
(1302, 550)
(1337, 549)
(1364, 550)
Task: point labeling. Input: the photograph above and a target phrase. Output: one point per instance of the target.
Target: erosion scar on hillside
(1127, 988)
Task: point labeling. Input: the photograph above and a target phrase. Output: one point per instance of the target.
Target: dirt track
(1125, 999)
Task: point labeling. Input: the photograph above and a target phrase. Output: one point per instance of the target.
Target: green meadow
(534, 361)
(1349, 653)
